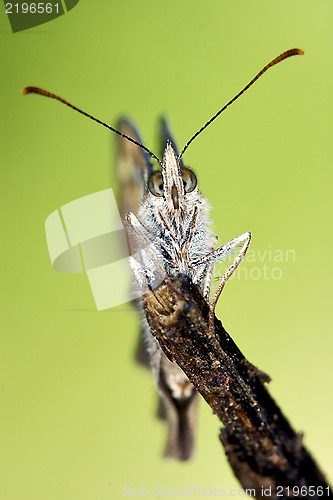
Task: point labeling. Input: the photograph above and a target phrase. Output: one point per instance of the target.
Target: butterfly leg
(144, 259)
(223, 279)
(240, 245)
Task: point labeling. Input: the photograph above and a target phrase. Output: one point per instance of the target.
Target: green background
(77, 414)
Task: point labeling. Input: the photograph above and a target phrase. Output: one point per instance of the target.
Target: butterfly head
(173, 182)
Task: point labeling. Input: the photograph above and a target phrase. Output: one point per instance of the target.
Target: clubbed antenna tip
(278, 59)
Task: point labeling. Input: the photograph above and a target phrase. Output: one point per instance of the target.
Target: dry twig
(262, 448)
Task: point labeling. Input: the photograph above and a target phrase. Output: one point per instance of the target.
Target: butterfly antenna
(37, 90)
(281, 57)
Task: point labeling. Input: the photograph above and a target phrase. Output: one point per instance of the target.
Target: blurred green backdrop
(77, 415)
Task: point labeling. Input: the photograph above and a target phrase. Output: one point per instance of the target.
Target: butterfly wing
(133, 168)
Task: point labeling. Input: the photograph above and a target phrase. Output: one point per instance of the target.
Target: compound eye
(189, 180)
(155, 184)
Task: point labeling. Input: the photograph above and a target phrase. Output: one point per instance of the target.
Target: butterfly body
(170, 236)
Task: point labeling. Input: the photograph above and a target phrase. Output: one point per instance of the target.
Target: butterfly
(169, 236)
